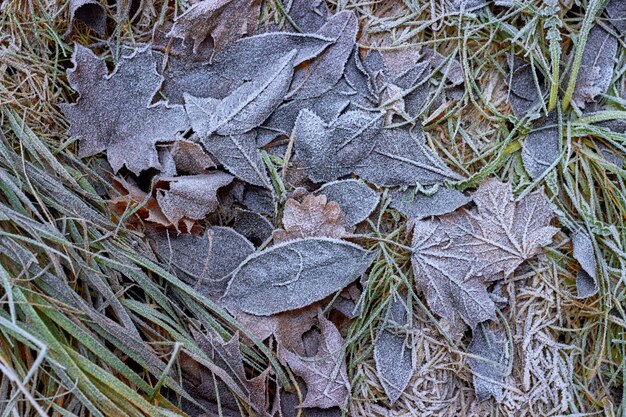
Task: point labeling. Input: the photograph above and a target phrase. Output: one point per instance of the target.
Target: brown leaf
(224, 20)
(315, 216)
(190, 158)
(190, 197)
(325, 373)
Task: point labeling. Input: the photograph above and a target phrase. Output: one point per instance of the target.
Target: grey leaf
(541, 148)
(206, 261)
(586, 279)
(415, 204)
(246, 107)
(309, 15)
(327, 106)
(450, 67)
(253, 226)
(357, 200)
(295, 274)
(358, 77)
(490, 368)
(327, 152)
(237, 64)
(401, 158)
(415, 90)
(240, 156)
(191, 197)
(394, 359)
(596, 67)
(466, 5)
(616, 11)
(114, 112)
(446, 277)
(259, 200)
(524, 95)
(323, 72)
(91, 12)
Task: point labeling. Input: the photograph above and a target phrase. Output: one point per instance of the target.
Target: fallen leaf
(450, 67)
(446, 276)
(586, 279)
(237, 64)
(325, 373)
(240, 156)
(490, 364)
(224, 20)
(309, 15)
(355, 199)
(204, 262)
(358, 77)
(401, 158)
(415, 204)
(295, 274)
(253, 226)
(596, 66)
(541, 148)
(327, 152)
(315, 216)
(246, 107)
(504, 232)
(524, 94)
(616, 11)
(190, 158)
(393, 357)
(190, 197)
(466, 5)
(324, 71)
(258, 199)
(114, 112)
(91, 12)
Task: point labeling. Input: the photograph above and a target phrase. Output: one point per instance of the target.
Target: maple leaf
(114, 112)
(394, 359)
(596, 66)
(189, 197)
(295, 274)
(315, 216)
(355, 199)
(489, 365)
(445, 275)
(206, 261)
(325, 373)
(224, 20)
(504, 233)
(246, 107)
(324, 71)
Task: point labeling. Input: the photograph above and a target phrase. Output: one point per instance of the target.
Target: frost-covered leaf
(466, 5)
(616, 11)
(541, 148)
(237, 64)
(91, 12)
(309, 15)
(446, 276)
(489, 365)
(320, 75)
(586, 279)
(504, 233)
(114, 112)
(356, 200)
(240, 156)
(401, 158)
(224, 20)
(205, 261)
(190, 197)
(327, 152)
(327, 106)
(415, 204)
(246, 107)
(190, 158)
(259, 199)
(325, 373)
(392, 353)
(449, 66)
(524, 95)
(596, 67)
(253, 226)
(315, 216)
(414, 88)
(358, 77)
(294, 274)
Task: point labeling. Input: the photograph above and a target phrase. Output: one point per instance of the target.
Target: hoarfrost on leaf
(356, 200)
(586, 279)
(415, 204)
(490, 364)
